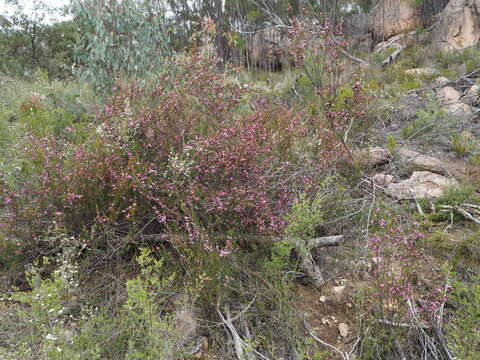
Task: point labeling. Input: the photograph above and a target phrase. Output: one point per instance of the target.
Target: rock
(448, 95)
(392, 17)
(382, 179)
(422, 72)
(441, 81)
(459, 109)
(338, 290)
(449, 98)
(422, 184)
(421, 162)
(472, 95)
(343, 329)
(374, 156)
(458, 26)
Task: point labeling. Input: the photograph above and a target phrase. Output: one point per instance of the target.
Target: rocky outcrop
(459, 25)
(382, 179)
(267, 49)
(472, 95)
(449, 98)
(420, 185)
(373, 156)
(441, 81)
(420, 162)
(392, 17)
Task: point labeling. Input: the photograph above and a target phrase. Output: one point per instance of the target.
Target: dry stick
(326, 241)
(370, 211)
(309, 329)
(471, 205)
(474, 72)
(461, 211)
(428, 339)
(401, 325)
(239, 343)
(308, 263)
(391, 58)
(438, 328)
(468, 215)
(399, 350)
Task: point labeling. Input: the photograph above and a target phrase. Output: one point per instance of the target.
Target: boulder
(441, 81)
(449, 98)
(422, 72)
(392, 17)
(421, 184)
(420, 162)
(459, 25)
(472, 95)
(459, 109)
(382, 179)
(374, 156)
(448, 95)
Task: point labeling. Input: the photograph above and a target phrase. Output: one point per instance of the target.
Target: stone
(382, 179)
(343, 329)
(420, 185)
(338, 290)
(449, 98)
(458, 26)
(459, 109)
(441, 81)
(422, 72)
(448, 95)
(374, 156)
(472, 95)
(421, 162)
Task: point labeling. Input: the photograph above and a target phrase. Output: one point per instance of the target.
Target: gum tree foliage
(125, 39)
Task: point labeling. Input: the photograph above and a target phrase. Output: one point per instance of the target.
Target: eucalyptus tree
(119, 39)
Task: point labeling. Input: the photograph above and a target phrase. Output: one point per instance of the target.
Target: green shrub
(430, 123)
(53, 324)
(465, 327)
(463, 144)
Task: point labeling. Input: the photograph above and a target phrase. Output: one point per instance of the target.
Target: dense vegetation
(158, 201)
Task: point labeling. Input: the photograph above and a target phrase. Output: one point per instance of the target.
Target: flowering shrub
(192, 155)
(400, 267)
(319, 48)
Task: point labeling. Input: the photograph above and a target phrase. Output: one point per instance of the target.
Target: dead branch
(307, 262)
(239, 343)
(399, 350)
(391, 58)
(465, 211)
(473, 74)
(311, 268)
(326, 241)
(401, 325)
(344, 356)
